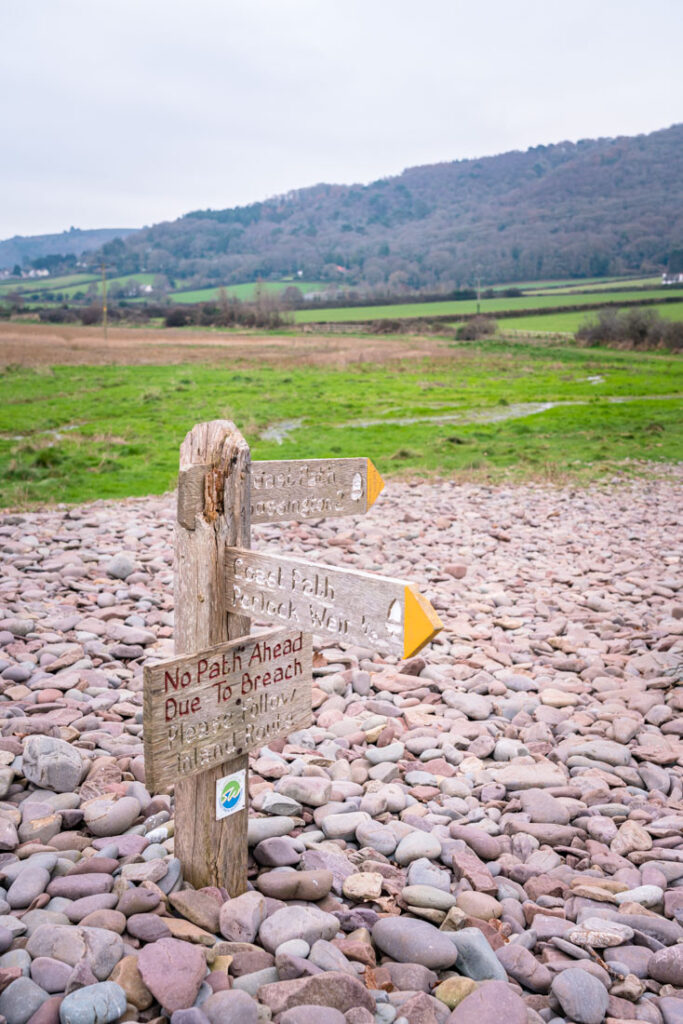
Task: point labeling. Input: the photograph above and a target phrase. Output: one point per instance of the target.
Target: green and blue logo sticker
(230, 793)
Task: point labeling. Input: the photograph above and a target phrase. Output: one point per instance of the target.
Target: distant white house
(668, 278)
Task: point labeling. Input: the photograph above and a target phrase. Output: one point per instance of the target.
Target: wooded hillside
(597, 207)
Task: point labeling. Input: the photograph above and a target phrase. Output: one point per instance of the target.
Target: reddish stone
(331, 988)
(467, 865)
(250, 961)
(439, 766)
(493, 1002)
(424, 793)
(379, 978)
(531, 909)
(489, 931)
(543, 885)
(93, 865)
(218, 981)
(422, 1009)
(173, 972)
(48, 1013)
(356, 950)
(8, 975)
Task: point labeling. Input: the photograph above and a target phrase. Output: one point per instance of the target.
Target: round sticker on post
(230, 793)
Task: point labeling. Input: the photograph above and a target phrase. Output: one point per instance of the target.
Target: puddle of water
(57, 434)
(503, 412)
(500, 413)
(279, 432)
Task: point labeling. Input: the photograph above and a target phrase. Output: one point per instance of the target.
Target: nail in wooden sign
(312, 488)
(207, 708)
(349, 605)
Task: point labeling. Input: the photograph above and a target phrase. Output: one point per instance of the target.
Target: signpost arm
(213, 513)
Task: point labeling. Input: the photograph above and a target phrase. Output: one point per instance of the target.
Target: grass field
(45, 284)
(573, 282)
(111, 282)
(74, 433)
(69, 285)
(571, 321)
(596, 285)
(492, 306)
(245, 292)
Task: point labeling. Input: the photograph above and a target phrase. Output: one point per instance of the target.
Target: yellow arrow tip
(421, 623)
(375, 484)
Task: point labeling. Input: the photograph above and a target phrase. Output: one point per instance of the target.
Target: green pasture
(71, 284)
(139, 278)
(246, 292)
(83, 432)
(571, 321)
(46, 284)
(576, 287)
(575, 282)
(492, 306)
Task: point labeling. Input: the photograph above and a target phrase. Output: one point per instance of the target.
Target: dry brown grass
(43, 345)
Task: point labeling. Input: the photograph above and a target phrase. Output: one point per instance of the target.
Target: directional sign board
(349, 605)
(312, 488)
(208, 708)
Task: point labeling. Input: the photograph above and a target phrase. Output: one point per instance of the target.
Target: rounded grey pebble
(295, 947)
(111, 850)
(582, 997)
(231, 1007)
(95, 1004)
(20, 1000)
(28, 884)
(6, 939)
(192, 1016)
(120, 567)
(17, 958)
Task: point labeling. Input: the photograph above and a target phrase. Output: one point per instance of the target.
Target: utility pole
(104, 302)
(478, 293)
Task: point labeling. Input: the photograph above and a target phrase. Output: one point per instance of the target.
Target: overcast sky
(125, 113)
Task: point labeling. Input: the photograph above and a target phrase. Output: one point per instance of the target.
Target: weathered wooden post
(213, 514)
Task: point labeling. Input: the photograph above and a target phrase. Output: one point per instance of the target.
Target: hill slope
(593, 208)
(22, 249)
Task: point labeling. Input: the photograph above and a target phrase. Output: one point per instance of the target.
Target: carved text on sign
(346, 604)
(312, 488)
(207, 708)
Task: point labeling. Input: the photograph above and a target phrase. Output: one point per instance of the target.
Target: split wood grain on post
(213, 513)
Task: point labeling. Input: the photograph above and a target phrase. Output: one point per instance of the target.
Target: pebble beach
(491, 831)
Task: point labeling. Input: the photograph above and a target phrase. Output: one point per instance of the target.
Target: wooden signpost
(228, 692)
